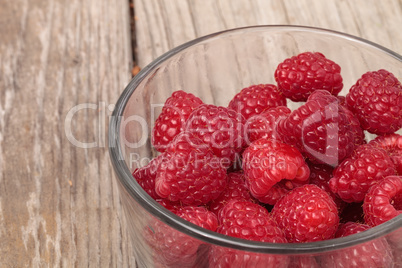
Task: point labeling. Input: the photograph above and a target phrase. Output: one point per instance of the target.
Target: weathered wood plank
(162, 25)
(59, 205)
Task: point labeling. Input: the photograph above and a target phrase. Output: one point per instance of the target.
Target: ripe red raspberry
(356, 174)
(306, 214)
(349, 228)
(247, 220)
(276, 192)
(266, 162)
(264, 125)
(355, 127)
(280, 189)
(320, 129)
(300, 75)
(383, 201)
(392, 143)
(219, 127)
(354, 123)
(220, 257)
(255, 99)
(145, 176)
(342, 100)
(235, 189)
(191, 174)
(375, 253)
(200, 216)
(174, 248)
(376, 100)
(303, 262)
(171, 120)
(320, 176)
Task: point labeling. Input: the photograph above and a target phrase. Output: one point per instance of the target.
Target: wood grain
(162, 25)
(59, 205)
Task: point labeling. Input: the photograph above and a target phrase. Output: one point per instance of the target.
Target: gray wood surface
(59, 204)
(162, 25)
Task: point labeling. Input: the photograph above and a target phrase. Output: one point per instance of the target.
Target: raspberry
(356, 174)
(342, 100)
(220, 257)
(355, 127)
(320, 129)
(306, 214)
(281, 189)
(300, 75)
(320, 176)
(267, 162)
(174, 248)
(276, 192)
(171, 121)
(191, 174)
(264, 125)
(199, 216)
(235, 189)
(392, 143)
(256, 99)
(375, 253)
(303, 262)
(194, 176)
(376, 100)
(383, 201)
(145, 176)
(220, 128)
(247, 220)
(349, 228)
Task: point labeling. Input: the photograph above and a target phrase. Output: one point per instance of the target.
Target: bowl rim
(155, 209)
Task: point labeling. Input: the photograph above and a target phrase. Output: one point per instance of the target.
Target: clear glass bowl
(215, 68)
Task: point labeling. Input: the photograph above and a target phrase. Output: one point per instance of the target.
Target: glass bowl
(215, 68)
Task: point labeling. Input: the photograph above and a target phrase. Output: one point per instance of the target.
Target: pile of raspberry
(257, 170)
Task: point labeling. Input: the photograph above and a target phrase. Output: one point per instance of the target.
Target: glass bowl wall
(215, 68)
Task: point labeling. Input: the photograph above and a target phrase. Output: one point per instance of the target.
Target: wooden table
(63, 65)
